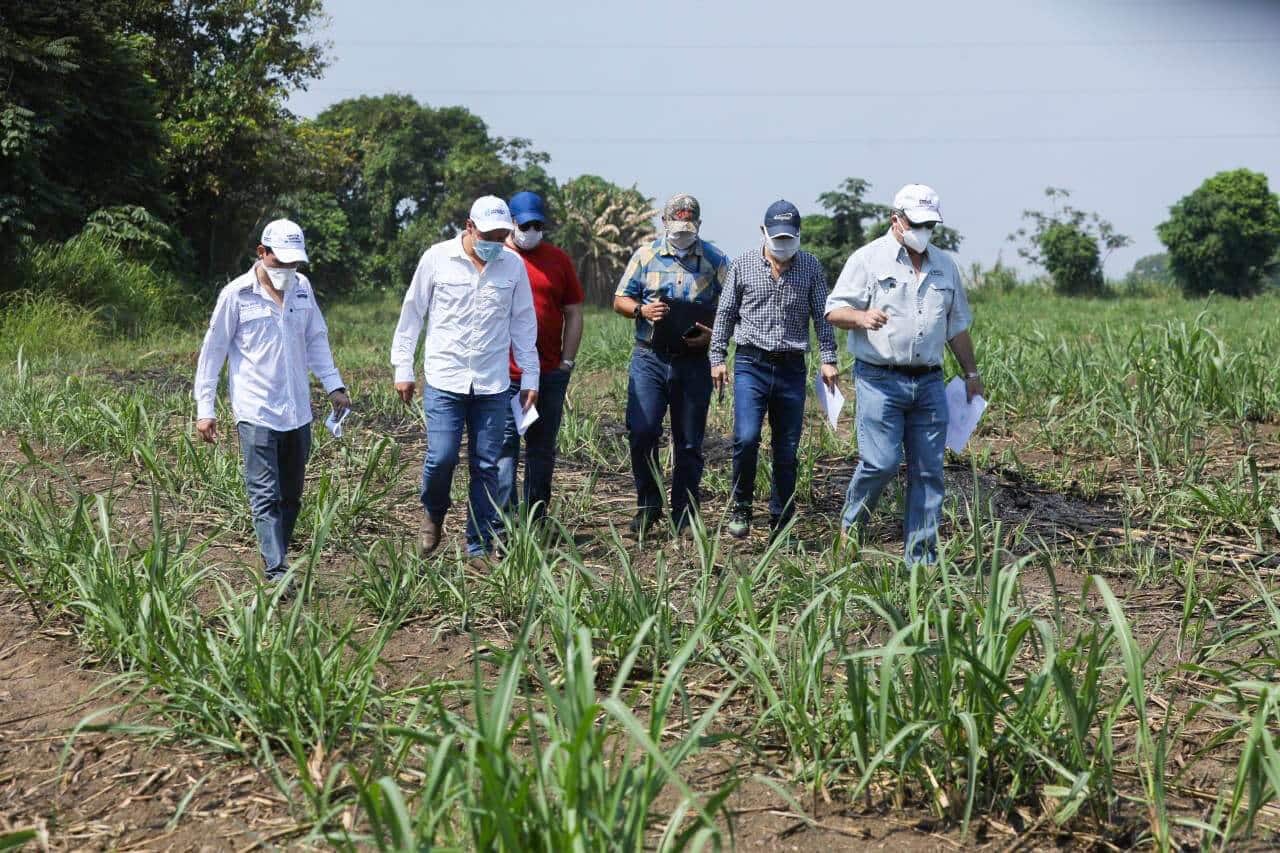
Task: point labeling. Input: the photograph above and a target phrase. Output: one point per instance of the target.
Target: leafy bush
(1222, 236)
(127, 296)
(1068, 244)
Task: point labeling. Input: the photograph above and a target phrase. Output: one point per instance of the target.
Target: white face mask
(682, 241)
(782, 248)
(282, 278)
(526, 239)
(916, 239)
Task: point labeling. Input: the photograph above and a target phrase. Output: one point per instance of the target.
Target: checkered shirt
(656, 271)
(773, 314)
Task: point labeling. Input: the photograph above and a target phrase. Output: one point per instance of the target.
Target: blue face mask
(486, 250)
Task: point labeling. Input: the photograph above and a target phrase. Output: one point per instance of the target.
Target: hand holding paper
(962, 414)
(523, 418)
(830, 400)
(334, 422)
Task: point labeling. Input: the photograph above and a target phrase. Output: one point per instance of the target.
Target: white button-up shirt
(270, 350)
(475, 320)
(925, 310)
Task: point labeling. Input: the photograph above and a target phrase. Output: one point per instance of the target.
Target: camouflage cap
(682, 213)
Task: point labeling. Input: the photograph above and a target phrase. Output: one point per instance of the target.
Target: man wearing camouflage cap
(676, 267)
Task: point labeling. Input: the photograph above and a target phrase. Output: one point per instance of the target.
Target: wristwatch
(567, 362)
(973, 375)
(635, 315)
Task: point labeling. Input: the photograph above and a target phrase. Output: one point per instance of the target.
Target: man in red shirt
(557, 302)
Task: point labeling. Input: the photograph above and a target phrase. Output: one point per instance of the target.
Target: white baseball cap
(919, 203)
(490, 213)
(285, 240)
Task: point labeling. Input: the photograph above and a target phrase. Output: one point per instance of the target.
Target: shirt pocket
(495, 298)
(938, 298)
(451, 298)
(884, 290)
(256, 332)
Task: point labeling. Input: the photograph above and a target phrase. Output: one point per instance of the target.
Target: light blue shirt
(925, 310)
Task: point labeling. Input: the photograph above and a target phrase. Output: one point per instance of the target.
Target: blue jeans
(483, 416)
(539, 447)
(655, 382)
(895, 410)
(274, 467)
(776, 388)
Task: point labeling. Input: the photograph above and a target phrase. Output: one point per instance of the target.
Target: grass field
(1091, 665)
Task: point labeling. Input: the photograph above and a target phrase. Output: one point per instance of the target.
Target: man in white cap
(474, 296)
(901, 301)
(269, 328)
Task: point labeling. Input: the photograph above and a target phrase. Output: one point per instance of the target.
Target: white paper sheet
(962, 414)
(334, 425)
(831, 401)
(523, 419)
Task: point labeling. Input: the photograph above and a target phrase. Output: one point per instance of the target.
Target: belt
(907, 369)
(769, 355)
(669, 353)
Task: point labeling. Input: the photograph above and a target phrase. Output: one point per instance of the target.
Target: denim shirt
(925, 311)
(656, 271)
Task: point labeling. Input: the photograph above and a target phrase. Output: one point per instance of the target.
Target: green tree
(1069, 244)
(411, 175)
(223, 70)
(1224, 235)
(78, 127)
(599, 224)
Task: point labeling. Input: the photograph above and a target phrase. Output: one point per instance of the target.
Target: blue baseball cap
(782, 217)
(527, 207)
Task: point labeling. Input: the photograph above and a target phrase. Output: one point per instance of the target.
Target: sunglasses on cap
(534, 224)
(907, 219)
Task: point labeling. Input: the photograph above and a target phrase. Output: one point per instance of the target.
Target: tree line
(157, 133)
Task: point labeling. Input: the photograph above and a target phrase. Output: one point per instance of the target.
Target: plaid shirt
(773, 314)
(656, 271)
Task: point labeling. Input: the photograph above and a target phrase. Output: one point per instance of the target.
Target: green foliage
(39, 324)
(1224, 236)
(126, 296)
(78, 127)
(1149, 271)
(1068, 243)
(600, 224)
(409, 177)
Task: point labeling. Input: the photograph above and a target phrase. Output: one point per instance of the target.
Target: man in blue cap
(770, 296)
(557, 302)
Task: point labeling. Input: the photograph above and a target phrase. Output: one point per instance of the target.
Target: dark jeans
(274, 467)
(539, 447)
(777, 388)
(483, 416)
(897, 411)
(657, 381)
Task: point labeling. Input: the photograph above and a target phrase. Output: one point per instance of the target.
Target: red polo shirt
(555, 284)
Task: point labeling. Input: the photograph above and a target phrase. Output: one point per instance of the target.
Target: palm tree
(600, 224)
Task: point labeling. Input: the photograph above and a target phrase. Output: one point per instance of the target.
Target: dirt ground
(116, 790)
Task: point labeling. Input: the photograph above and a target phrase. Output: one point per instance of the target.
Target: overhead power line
(840, 93)
(1065, 139)
(542, 45)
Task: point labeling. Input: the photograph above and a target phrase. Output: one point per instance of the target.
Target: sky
(1129, 105)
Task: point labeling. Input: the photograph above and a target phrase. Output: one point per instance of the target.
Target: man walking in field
(557, 303)
(268, 326)
(474, 296)
(771, 294)
(678, 272)
(901, 301)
